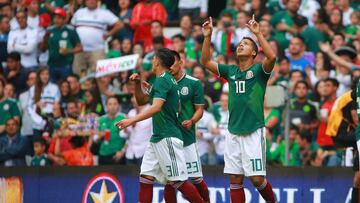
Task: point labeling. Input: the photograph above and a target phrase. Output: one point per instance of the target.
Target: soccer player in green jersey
(192, 109)
(164, 159)
(245, 145)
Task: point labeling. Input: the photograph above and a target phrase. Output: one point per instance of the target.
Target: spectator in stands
(143, 14)
(112, 146)
(126, 47)
(298, 60)
(284, 24)
(352, 29)
(204, 136)
(75, 87)
(26, 123)
(335, 24)
(65, 94)
(43, 95)
(323, 69)
(4, 35)
(40, 157)
(80, 154)
(7, 11)
(295, 76)
(307, 147)
(196, 9)
(92, 103)
(63, 42)
(107, 89)
(303, 113)
(91, 25)
(279, 154)
(266, 29)
(137, 136)
(125, 15)
(15, 73)
(222, 129)
(323, 140)
(308, 8)
(158, 43)
(8, 108)
(282, 74)
(338, 41)
(32, 8)
(225, 38)
(272, 121)
(157, 31)
(12, 145)
(258, 8)
(346, 10)
(51, 5)
(24, 40)
(242, 31)
(9, 92)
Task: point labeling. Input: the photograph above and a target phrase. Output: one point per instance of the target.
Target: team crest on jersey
(64, 34)
(6, 107)
(185, 91)
(249, 74)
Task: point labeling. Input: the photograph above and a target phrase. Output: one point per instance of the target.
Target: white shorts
(193, 163)
(246, 155)
(165, 161)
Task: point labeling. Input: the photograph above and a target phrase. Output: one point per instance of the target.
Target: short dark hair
(74, 101)
(302, 82)
(295, 128)
(284, 58)
(333, 81)
(339, 34)
(176, 54)
(40, 140)
(295, 71)
(165, 56)
(112, 97)
(158, 40)
(74, 75)
(179, 36)
(14, 56)
(253, 43)
(157, 21)
(300, 38)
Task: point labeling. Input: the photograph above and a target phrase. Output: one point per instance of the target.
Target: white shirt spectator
(91, 26)
(26, 127)
(138, 137)
(32, 22)
(25, 42)
(346, 16)
(308, 8)
(204, 125)
(49, 96)
(219, 140)
(241, 33)
(189, 4)
(344, 84)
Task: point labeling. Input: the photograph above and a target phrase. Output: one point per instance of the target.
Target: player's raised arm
(270, 59)
(206, 57)
(140, 96)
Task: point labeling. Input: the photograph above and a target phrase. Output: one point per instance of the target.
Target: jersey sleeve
(161, 88)
(223, 70)
(198, 93)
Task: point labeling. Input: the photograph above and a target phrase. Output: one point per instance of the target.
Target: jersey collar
(182, 77)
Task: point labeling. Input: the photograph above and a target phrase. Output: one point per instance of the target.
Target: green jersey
(246, 97)
(115, 143)
(166, 122)
(191, 94)
(40, 160)
(282, 37)
(65, 37)
(8, 109)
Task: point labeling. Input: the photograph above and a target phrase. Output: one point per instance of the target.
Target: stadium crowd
(54, 112)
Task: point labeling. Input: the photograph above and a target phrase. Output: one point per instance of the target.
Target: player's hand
(125, 123)
(146, 84)
(187, 124)
(253, 26)
(135, 77)
(207, 27)
(325, 47)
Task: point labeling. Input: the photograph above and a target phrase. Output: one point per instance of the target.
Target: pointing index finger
(253, 17)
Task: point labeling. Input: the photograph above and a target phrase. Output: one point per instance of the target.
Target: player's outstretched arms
(152, 110)
(270, 59)
(141, 97)
(206, 58)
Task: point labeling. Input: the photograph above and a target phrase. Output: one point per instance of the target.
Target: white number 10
(240, 86)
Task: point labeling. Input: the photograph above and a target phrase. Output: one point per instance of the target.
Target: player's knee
(236, 179)
(175, 184)
(196, 180)
(257, 181)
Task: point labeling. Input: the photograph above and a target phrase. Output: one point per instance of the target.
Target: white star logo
(104, 196)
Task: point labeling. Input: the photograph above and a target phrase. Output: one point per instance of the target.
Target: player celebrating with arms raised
(245, 147)
(164, 157)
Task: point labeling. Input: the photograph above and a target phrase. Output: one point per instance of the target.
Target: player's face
(301, 91)
(38, 148)
(245, 48)
(176, 67)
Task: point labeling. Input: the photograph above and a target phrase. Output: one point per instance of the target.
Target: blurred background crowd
(54, 112)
